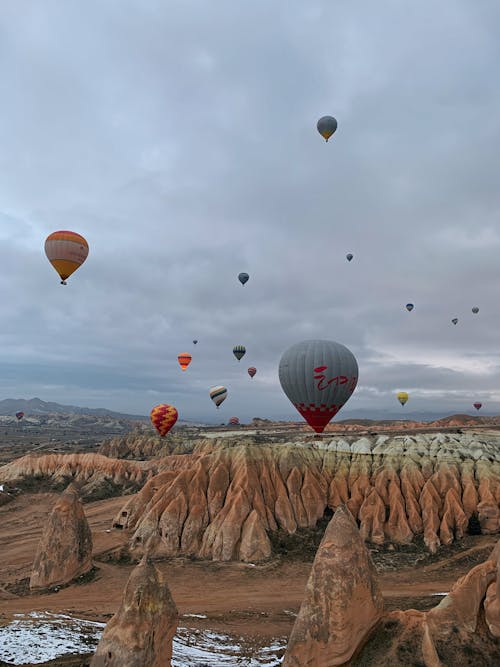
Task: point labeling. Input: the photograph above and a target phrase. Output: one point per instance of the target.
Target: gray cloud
(179, 138)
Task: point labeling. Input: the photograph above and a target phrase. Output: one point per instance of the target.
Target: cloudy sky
(179, 137)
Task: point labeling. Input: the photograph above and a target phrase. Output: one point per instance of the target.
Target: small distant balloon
(194, 342)
(218, 395)
(234, 421)
(478, 406)
(184, 359)
(409, 307)
(475, 310)
(19, 415)
(455, 320)
(326, 126)
(239, 351)
(66, 251)
(251, 371)
(163, 417)
(243, 278)
(349, 256)
(402, 397)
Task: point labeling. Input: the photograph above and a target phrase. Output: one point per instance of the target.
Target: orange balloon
(66, 252)
(184, 359)
(163, 417)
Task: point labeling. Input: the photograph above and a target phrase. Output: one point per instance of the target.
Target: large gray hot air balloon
(326, 126)
(318, 376)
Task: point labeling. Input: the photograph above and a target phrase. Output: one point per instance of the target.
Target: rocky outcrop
(226, 499)
(97, 476)
(65, 549)
(341, 622)
(342, 602)
(140, 445)
(141, 631)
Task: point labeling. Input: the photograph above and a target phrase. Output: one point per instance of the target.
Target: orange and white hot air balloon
(66, 252)
(184, 359)
(163, 417)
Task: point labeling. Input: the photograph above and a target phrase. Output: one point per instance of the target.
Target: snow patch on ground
(42, 636)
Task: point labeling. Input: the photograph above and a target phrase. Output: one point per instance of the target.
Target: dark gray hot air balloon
(455, 320)
(349, 256)
(475, 310)
(243, 278)
(318, 376)
(326, 126)
(239, 351)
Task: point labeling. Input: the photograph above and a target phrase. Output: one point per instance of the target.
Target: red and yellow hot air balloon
(184, 359)
(251, 371)
(66, 251)
(163, 417)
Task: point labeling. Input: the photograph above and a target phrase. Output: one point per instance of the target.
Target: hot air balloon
(318, 376)
(239, 351)
(234, 421)
(19, 415)
(184, 359)
(218, 395)
(478, 406)
(194, 342)
(251, 371)
(66, 252)
(455, 320)
(409, 307)
(349, 256)
(402, 397)
(475, 310)
(326, 126)
(163, 417)
(243, 278)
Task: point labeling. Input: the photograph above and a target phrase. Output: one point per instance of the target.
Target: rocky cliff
(223, 501)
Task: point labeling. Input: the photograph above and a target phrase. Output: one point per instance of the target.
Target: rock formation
(342, 602)
(224, 501)
(65, 548)
(140, 445)
(97, 476)
(141, 631)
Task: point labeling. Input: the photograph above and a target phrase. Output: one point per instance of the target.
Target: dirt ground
(254, 601)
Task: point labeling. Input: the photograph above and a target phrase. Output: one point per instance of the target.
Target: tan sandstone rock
(342, 601)
(140, 633)
(65, 549)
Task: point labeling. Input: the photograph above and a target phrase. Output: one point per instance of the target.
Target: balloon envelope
(349, 256)
(326, 126)
(243, 278)
(475, 310)
(194, 342)
(402, 397)
(66, 251)
(455, 320)
(234, 421)
(409, 307)
(218, 394)
(184, 359)
(251, 371)
(478, 406)
(19, 415)
(239, 351)
(318, 376)
(163, 417)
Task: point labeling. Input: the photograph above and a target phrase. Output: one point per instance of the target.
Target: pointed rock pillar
(65, 548)
(141, 631)
(342, 601)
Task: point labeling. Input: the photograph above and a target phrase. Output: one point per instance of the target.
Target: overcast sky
(179, 137)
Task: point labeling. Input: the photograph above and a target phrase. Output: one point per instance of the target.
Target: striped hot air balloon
(239, 351)
(163, 417)
(234, 421)
(184, 359)
(478, 406)
(251, 371)
(66, 251)
(218, 395)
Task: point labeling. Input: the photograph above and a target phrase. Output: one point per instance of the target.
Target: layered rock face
(65, 549)
(139, 445)
(141, 632)
(342, 602)
(341, 621)
(222, 501)
(96, 475)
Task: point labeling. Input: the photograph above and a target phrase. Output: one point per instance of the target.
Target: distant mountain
(35, 406)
